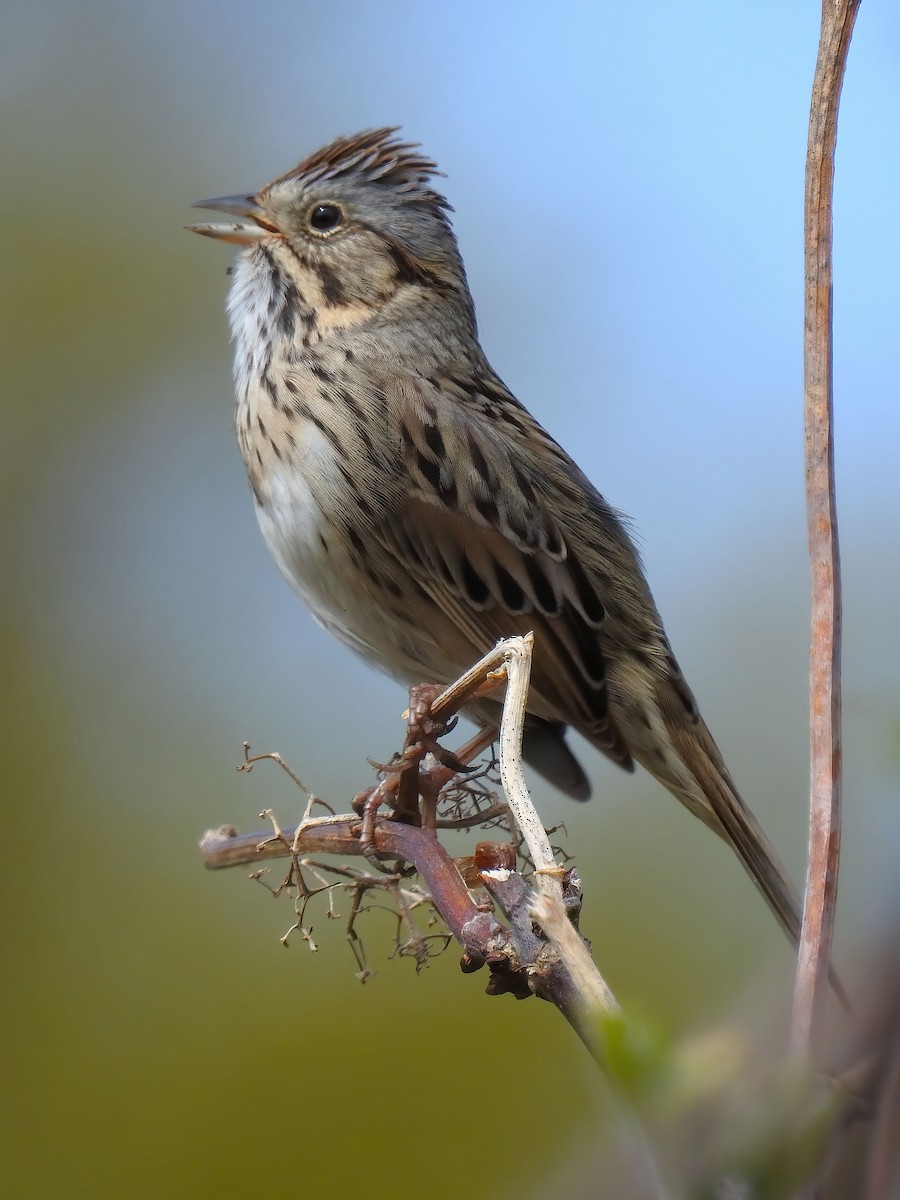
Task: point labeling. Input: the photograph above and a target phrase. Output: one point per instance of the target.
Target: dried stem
(548, 910)
(838, 17)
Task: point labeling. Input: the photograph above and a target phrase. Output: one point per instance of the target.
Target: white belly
(302, 536)
(297, 523)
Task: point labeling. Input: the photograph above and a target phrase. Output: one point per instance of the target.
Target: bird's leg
(433, 780)
(413, 793)
(367, 805)
(422, 738)
(401, 783)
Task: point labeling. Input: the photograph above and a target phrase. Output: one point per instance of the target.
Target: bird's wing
(475, 526)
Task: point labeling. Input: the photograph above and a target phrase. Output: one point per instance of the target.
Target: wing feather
(475, 530)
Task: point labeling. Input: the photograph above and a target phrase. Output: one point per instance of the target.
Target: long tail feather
(739, 827)
(733, 821)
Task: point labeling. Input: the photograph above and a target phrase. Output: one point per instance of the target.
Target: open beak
(242, 233)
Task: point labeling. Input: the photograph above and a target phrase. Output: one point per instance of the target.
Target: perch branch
(554, 962)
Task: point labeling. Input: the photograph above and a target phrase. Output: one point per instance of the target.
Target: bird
(418, 508)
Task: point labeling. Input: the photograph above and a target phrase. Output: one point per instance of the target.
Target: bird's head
(351, 225)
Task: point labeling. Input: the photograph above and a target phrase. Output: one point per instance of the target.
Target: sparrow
(418, 508)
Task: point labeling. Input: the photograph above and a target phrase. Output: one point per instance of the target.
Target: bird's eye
(325, 218)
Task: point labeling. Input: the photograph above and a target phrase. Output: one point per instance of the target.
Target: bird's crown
(372, 156)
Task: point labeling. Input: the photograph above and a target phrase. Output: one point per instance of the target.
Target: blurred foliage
(712, 1110)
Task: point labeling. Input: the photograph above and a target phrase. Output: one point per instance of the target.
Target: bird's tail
(727, 814)
(706, 788)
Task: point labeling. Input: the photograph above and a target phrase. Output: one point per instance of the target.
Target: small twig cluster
(534, 948)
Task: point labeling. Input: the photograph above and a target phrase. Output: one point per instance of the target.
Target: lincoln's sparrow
(419, 510)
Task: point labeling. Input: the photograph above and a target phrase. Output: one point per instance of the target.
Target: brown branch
(519, 967)
(814, 955)
(221, 848)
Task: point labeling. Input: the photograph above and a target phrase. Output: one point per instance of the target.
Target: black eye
(325, 217)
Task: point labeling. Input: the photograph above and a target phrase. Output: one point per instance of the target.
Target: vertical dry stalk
(838, 17)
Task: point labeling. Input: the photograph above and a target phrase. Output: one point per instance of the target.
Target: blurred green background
(628, 186)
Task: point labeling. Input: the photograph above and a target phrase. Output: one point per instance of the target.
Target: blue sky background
(628, 187)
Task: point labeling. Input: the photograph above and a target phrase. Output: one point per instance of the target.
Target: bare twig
(838, 17)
